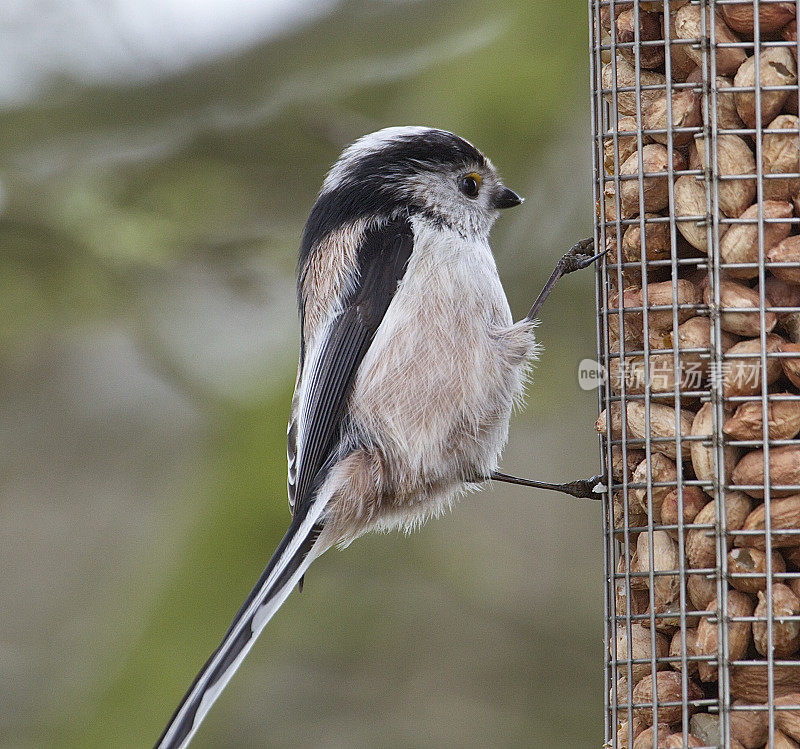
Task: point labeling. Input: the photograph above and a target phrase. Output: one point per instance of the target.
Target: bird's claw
(592, 488)
(578, 257)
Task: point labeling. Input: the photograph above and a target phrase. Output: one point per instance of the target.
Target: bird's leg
(575, 259)
(592, 488)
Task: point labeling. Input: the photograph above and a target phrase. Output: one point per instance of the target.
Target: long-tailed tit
(410, 363)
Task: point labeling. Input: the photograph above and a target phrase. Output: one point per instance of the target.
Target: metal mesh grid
(697, 186)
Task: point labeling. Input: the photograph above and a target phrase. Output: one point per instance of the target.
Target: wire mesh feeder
(697, 185)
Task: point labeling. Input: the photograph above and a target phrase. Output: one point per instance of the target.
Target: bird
(410, 364)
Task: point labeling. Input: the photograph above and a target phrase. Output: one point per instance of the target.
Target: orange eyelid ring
(470, 184)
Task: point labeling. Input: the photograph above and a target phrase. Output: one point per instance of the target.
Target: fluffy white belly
(437, 386)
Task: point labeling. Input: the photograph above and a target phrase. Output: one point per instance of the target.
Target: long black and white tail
(298, 548)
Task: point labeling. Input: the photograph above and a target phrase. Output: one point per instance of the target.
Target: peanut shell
(786, 251)
(782, 741)
(747, 423)
(792, 558)
(631, 321)
(689, 25)
(681, 63)
(780, 154)
(662, 470)
(636, 518)
(606, 14)
(791, 364)
(695, 333)
(626, 78)
(705, 727)
(645, 739)
(703, 454)
(676, 649)
(660, 294)
(668, 616)
(785, 294)
(741, 373)
(734, 158)
(789, 720)
(654, 189)
(739, 604)
(733, 295)
(627, 370)
(656, 241)
(668, 689)
(785, 633)
(749, 682)
(701, 590)
(789, 33)
(771, 17)
(662, 427)
(649, 30)
(691, 209)
(640, 649)
(747, 560)
(626, 141)
(610, 204)
(784, 515)
(637, 582)
(694, 499)
(701, 543)
(740, 243)
(623, 464)
(602, 426)
(666, 588)
(727, 116)
(749, 727)
(626, 734)
(637, 599)
(777, 68)
(784, 470)
(685, 114)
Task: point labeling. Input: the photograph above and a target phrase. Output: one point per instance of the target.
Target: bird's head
(414, 170)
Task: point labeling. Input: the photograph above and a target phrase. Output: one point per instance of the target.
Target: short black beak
(505, 198)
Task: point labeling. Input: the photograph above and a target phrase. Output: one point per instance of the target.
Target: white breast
(435, 390)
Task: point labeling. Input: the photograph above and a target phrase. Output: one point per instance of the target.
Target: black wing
(382, 257)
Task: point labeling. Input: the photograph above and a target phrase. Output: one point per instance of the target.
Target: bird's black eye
(470, 184)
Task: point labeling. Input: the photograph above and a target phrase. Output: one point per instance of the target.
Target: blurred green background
(152, 196)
